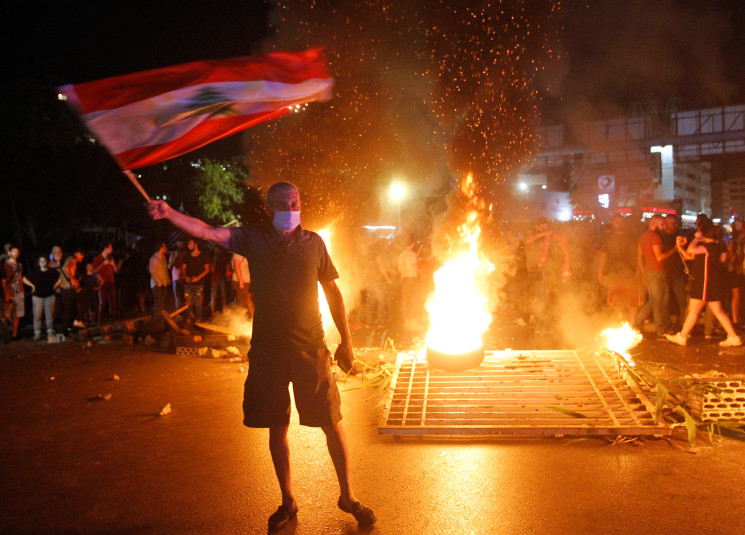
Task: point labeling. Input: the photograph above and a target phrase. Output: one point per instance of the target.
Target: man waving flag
(151, 116)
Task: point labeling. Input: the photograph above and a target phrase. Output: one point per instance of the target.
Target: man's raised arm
(191, 225)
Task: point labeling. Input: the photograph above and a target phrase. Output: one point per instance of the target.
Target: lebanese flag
(148, 117)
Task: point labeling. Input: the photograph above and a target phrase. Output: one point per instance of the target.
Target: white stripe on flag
(169, 116)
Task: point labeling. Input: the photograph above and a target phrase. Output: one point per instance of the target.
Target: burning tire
(455, 362)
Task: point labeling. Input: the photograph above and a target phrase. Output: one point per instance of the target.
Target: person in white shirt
(160, 281)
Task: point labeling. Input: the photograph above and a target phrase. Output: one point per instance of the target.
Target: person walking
(650, 260)
(287, 346)
(708, 255)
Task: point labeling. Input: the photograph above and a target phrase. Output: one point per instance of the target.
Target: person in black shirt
(287, 344)
(196, 267)
(43, 282)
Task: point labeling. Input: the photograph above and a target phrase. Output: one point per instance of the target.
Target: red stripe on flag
(213, 130)
(118, 91)
(151, 116)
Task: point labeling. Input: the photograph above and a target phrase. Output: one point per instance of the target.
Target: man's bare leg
(279, 447)
(337, 445)
(336, 441)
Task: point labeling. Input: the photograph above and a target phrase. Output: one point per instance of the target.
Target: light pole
(397, 193)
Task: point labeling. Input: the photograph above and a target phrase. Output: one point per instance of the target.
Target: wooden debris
(172, 324)
(127, 326)
(179, 311)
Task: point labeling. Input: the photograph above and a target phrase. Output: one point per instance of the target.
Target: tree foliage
(220, 188)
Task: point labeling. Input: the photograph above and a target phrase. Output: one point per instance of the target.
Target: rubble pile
(173, 333)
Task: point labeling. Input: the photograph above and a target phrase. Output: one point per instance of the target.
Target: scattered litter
(115, 378)
(244, 368)
(150, 341)
(165, 410)
(100, 397)
(236, 359)
(200, 351)
(51, 378)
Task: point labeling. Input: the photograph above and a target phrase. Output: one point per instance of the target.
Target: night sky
(413, 95)
(77, 42)
(617, 51)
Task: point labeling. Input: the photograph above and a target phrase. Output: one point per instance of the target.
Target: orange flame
(458, 310)
(621, 339)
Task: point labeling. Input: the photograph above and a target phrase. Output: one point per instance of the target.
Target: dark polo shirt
(195, 265)
(284, 282)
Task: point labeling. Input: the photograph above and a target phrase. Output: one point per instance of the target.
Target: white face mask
(286, 221)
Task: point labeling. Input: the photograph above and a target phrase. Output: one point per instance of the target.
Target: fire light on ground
(622, 339)
(458, 310)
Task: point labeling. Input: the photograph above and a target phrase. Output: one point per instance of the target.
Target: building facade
(655, 161)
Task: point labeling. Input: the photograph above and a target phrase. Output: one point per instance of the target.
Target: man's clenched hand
(158, 209)
(344, 356)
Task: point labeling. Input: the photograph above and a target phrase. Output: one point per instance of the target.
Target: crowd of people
(651, 273)
(81, 290)
(679, 272)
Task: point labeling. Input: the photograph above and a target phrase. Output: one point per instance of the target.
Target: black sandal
(282, 516)
(363, 515)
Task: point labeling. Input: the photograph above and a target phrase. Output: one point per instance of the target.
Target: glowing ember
(622, 339)
(457, 309)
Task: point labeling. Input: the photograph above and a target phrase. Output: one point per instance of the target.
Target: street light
(397, 193)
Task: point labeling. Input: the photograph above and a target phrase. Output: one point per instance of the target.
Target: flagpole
(137, 184)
